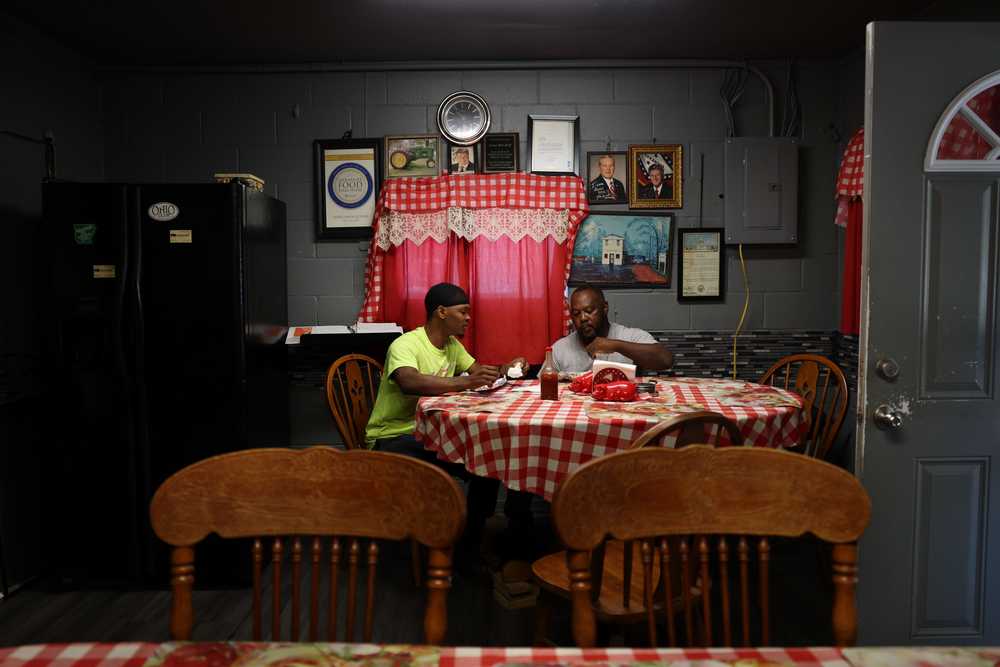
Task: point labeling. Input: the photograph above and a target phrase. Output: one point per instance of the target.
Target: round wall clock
(463, 118)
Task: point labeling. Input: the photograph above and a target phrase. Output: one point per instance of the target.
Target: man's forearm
(647, 356)
(419, 384)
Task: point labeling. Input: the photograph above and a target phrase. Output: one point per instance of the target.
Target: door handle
(887, 418)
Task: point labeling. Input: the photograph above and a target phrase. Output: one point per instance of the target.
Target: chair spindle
(764, 554)
(296, 587)
(370, 601)
(744, 555)
(706, 607)
(331, 631)
(276, 553)
(626, 574)
(668, 591)
(647, 590)
(258, 562)
(352, 588)
(686, 592)
(317, 554)
(727, 628)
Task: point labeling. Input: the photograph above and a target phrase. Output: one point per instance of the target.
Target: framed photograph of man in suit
(606, 177)
(655, 176)
(462, 159)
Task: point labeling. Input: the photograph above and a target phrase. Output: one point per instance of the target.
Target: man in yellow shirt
(428, 361)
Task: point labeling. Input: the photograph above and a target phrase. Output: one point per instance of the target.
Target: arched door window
(967, 136)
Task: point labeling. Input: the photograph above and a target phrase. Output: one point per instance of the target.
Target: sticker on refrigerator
(180, 236)
(163, 211)
(84, 234)
(104, 270)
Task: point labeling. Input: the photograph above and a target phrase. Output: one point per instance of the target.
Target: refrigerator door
(190, 356)
(266, 308)
(97, 460)
(191, 344)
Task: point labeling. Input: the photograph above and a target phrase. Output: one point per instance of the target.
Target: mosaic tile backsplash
(696, 354)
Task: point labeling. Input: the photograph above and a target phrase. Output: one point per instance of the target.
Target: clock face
(463, 118)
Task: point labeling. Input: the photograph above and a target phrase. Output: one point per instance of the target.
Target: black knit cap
(444, 294)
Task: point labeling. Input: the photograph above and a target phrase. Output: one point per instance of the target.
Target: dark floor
(43, 613)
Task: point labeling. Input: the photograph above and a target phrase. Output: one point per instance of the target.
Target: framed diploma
(552, 144)
(348, 179)
(499, 152)
(701, 269)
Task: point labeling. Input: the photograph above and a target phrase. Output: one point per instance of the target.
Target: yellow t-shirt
(394, 412)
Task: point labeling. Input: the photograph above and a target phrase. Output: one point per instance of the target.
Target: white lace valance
(395, 227)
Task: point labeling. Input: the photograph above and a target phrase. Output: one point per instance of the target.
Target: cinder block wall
(44, 86)
(183, 126)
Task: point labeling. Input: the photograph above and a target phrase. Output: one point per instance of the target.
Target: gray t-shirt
(571, 356)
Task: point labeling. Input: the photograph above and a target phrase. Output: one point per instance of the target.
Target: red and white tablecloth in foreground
(532, 445)
(246, 654)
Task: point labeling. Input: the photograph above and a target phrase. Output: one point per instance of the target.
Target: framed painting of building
(624, 249)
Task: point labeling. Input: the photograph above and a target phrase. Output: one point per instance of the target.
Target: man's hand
(601, 345)
(481, 376)
(516, 361)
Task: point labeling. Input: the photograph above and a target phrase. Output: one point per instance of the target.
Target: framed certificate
(552, 144)
(348, 179)
(499, 152)
(701, 269)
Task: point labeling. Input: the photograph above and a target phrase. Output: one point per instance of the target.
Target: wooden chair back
(727, 498)
(701, 427)
(821, 384)
(294, 501)
(692, 428)
(351, 386)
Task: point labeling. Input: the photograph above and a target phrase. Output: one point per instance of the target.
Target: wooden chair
(821, 383)
(351, 386)
(691, 428)
(616, 601)
(662, 496)
(310, 495)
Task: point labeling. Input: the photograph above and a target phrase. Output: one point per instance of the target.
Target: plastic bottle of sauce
(550, 378)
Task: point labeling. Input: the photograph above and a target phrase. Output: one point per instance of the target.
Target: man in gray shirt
(597, 338)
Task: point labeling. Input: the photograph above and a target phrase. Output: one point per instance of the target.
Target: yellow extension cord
(746, 306)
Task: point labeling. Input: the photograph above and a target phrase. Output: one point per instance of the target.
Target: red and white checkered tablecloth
(850, 176)
(486, 657)
(510, 191)
(77, 655)
(223, 654)
(533, 445)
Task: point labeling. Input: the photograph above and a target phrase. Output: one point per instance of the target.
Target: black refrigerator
(169, 313)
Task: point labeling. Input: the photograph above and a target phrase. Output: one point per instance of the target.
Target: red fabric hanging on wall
(850, 292)
(850, 212)
(507, 239)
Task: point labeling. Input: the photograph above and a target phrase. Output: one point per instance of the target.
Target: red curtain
(515, 289)
(850, 298)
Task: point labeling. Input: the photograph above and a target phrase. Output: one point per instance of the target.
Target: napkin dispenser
(627, 369)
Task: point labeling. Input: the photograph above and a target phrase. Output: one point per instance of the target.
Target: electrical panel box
(761, 190)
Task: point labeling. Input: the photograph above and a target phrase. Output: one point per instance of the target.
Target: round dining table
(510, 434)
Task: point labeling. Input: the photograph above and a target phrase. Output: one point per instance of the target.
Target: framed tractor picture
(415, 155)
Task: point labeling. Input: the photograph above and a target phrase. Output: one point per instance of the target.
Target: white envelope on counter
(628, 369)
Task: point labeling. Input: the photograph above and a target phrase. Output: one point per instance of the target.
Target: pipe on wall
(478, 65)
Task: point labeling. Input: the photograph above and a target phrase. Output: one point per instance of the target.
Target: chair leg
(543, 618)
(415, 562)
